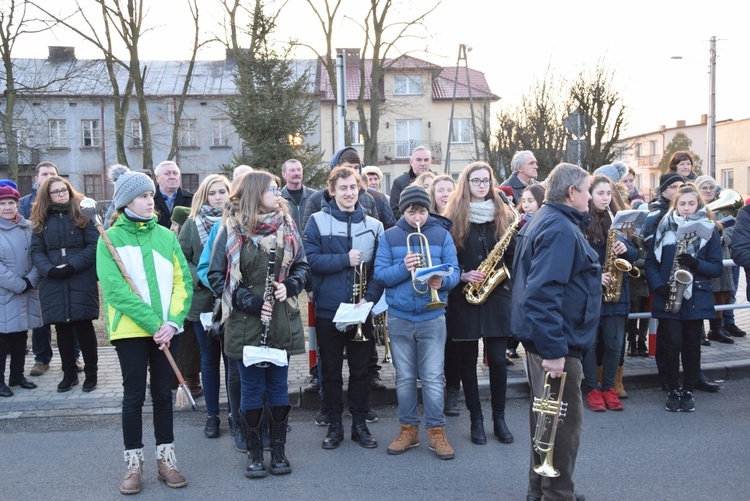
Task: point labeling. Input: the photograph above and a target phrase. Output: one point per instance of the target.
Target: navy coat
(622, 307)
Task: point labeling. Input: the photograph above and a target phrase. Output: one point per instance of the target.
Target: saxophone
(493, 267)
(679, 277)
(615, 267)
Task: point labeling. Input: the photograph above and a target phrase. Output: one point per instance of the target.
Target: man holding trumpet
(555, 313)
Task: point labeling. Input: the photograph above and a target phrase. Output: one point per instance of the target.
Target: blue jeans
(256, 381)
(211, 355)
(41, 344)
(612, 331)
(418, 350)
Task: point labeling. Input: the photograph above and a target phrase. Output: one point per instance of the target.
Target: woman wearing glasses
(63, 248)
(480, 217)
(255, 221)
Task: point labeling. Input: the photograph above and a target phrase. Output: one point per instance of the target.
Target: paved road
(643, 452)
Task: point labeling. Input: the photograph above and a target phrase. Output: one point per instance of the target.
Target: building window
(654, 183)
(91, 135)
(22, 132)
(136, 135)
(388, 183)
(638, 150)
(24, 184)
(220, 132)
(652, 148)
(92, 186)
(58, 133)
(188, 133)
(408, 137)
(462, 132)
(355, 132)
(407, 85)
(727, 178)
(190, 182)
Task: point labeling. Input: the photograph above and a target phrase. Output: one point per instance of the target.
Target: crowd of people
(528, 264)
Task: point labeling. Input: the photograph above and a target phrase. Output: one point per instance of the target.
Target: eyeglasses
(275, 190)
(54, 193)
(480, 182)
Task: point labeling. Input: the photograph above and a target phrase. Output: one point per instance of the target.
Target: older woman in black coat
(63, 248)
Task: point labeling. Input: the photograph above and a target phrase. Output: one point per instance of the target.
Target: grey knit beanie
(413, 195)
(129, 186)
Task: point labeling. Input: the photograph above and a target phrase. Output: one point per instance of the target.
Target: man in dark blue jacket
(337, 240)
(555, 313)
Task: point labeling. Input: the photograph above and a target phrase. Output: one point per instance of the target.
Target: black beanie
(668, 179)
(413, 195)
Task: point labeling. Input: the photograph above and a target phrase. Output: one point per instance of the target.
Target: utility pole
(712, 109)
(341, 98)
(462, 56)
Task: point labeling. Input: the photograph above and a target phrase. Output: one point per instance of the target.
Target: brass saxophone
(679, 277)
(615, 267)
(495, 273)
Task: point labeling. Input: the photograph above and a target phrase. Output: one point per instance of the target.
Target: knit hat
(129, 186)
(180, 214)
(668, 179)
(614, 171)
(507, 190)
(704, 179)
(371, 169)
(8, 190)
(413, 195)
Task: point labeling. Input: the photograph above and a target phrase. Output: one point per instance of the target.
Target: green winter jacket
(154, 261)
(190, 242)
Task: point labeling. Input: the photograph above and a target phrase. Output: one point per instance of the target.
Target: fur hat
(413, 195)
(615, 171)
(668, 179)
(371, 169)
(704, 179)
(8, 190)
(129, 186)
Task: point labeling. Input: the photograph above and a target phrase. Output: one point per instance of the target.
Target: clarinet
(268, 296)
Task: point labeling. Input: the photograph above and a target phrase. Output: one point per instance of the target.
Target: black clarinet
(268, 295)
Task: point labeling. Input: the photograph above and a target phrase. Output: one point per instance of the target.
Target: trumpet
(548, 408)
(358, 293)
(424, 259)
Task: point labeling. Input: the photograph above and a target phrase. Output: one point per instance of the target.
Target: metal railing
(401, 150)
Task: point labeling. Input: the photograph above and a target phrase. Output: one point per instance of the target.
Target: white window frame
(727, 178)
(462, 131)
(408, 136)
(136, 133)
(220, 132)
(91, 133)
(21, 126)
(188, 132)
(354, 132)
(407, 85)
(58, 133)
(653, 148)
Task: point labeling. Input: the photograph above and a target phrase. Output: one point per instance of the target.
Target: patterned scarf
(482, 212)
(666, 234)
(273, 228)
(205, 220)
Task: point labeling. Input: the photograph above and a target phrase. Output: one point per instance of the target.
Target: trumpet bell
(546, 469)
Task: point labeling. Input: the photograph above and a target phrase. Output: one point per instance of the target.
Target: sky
(514, 44)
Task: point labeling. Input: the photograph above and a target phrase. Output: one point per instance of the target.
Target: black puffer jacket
(61, 242)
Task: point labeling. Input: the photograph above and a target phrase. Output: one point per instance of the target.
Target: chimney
(662, 128)
(352, 57)
(57, 53)
(680, 123)
(704, 119)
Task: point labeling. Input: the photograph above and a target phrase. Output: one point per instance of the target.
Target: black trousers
(136, 356)
(682, 339)
(67, 334)
(494, 347)
(13, 343)
(331, 343)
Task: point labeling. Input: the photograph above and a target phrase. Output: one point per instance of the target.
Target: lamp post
(712, 109)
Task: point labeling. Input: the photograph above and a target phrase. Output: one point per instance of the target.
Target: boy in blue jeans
(417, 334)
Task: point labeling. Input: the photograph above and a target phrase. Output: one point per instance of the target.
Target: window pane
(58, 134)
(188, 136)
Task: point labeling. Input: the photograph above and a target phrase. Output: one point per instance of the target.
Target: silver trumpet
(548, 409)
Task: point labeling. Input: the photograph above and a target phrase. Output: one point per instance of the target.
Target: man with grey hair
(555, 314)
(420, 162)
(241, 170)
(168, 192)
(524, 169)
(294, 192)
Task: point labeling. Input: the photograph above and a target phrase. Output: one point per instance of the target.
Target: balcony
(649, 162)
(398, 152)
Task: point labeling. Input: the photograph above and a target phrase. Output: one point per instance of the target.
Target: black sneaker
(673, 401)
(371, 417)
(734, 331)
(687, 404)
(313, 387)
(322, 419)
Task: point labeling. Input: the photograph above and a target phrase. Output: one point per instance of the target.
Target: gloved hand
(247, 302)
(63, 272)
(687, 261)
(28, 284)
(662, 290)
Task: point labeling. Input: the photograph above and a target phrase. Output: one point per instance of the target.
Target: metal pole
(447, 167)
(341, 98)
(712, 109)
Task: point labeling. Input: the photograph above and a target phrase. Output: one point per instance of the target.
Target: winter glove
(63, 272)
(247, 302)
(28, 284)
(662, 290)
(687, 261)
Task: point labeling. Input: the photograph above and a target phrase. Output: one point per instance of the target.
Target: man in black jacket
(420, 162)
(294, 192)
(555, 314)
(524, 169)
(168, 192)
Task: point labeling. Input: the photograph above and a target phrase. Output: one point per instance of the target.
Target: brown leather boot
(439, 443)
(131, 484)
(168, 471)
(619, 388)
(408, 438)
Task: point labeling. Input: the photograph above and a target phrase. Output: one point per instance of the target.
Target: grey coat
(19, 310)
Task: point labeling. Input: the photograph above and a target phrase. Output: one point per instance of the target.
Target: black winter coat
(183, 198)
(76, 297)
(467, 321)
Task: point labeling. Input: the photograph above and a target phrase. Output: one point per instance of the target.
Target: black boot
(335, 435)
(717, 333)
(477, 430)
(69, 381)
(451, 402)
(501, 429)
(265, 426)
(279, 418)
(251, 422)
(361, 434)
(632, 349)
